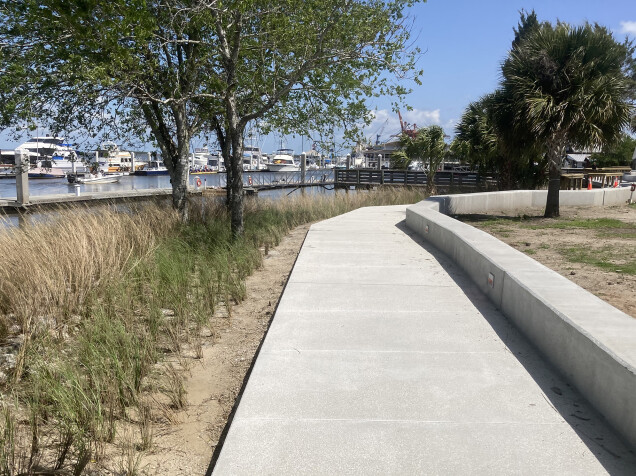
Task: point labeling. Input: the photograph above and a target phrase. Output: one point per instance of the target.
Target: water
(39, 187)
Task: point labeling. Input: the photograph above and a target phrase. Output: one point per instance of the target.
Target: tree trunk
(554, 185)
(179, 181)
(179, 172)
(234, 137)
(175, 156)
(236, 186)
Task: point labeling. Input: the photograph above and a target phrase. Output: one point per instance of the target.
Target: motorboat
(252, 158)
(283, 161)
(154, 168)
(111, 159)
(216, 163)
(97, 178)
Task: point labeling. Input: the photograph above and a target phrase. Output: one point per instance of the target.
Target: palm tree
(429, 146)
(486, 137)
(568, 87)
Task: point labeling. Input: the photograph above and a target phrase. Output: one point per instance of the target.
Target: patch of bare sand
(548, 246)
(214, 381)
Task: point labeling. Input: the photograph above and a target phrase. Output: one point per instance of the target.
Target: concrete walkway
(384, 359)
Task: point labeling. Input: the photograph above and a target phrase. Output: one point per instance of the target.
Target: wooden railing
(366, 177)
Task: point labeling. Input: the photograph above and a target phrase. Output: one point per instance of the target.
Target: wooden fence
(369, 177)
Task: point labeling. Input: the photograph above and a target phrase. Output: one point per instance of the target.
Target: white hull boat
(94, 179)
(283, 161)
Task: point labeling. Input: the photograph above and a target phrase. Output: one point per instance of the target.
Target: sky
(463, 44)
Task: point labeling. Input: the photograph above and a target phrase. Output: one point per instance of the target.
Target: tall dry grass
(99, 295)
(49, 270)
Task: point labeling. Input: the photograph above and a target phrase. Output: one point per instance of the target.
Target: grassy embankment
(98, 307)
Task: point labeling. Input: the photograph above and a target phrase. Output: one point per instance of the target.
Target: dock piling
(22, 176)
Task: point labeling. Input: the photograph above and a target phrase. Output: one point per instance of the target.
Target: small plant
(145, 425)
(130, 456)
(174, 388)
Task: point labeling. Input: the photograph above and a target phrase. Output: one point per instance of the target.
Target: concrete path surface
(384, 359)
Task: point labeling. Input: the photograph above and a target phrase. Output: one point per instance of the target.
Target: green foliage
(616, 154)
(169, 70)
(429, 147)
(400, 160)
(568, 85)
(83, 374)
(487, 140)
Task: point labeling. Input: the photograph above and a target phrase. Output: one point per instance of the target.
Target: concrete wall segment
(591, 342)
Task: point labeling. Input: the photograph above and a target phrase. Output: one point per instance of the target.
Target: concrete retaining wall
(591, 342)
(489, 202)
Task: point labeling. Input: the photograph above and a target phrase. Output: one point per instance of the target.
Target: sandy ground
(213, 382)
(550, 246)
(184, 445)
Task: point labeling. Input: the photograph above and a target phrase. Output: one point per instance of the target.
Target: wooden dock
(59, 199)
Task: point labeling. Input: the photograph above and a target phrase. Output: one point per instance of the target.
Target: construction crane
(380, 131)
(411, 132)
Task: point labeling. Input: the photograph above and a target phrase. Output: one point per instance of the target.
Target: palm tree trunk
(554, 185)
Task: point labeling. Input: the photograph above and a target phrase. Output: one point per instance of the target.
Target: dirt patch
(599, 256)
(185, 445)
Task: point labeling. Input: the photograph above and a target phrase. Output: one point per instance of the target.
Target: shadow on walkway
(610, 449)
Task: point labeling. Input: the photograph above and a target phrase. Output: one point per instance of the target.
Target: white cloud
(628, 27)
(386, 123)
(422, 118)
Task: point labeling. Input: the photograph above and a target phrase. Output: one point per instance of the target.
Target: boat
(154, 168)
(216, 163)
(97, 178)
(111, 159)
(46, 169)
(7, 170)
(203, 162)
(283, 161)
(203, 170)
(52, 153)
(252, 158)
(199, 159)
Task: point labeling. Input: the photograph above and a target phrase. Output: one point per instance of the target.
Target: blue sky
(464, 42)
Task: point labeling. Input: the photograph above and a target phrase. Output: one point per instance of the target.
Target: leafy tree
(488, 138)
(302, 66)
(528, 24)
(568, 86)
(617, 154)
(171, 69)
(126, 66)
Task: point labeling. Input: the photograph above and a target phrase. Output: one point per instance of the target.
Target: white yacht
(283, 161)
(111, 159)
(199, 159)
(216, 163)
(252, 158)
(50, 157)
